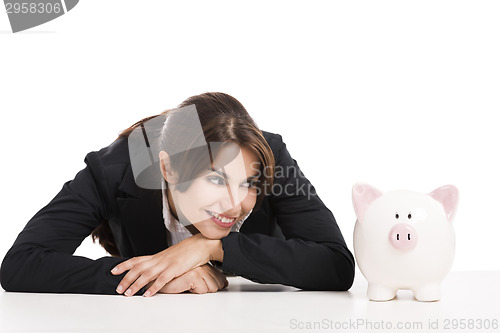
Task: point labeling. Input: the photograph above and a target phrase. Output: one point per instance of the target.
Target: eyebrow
(223, 174)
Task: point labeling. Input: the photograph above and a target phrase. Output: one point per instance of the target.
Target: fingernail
(147, 293)
(119, 289)
(114, 270)
(128, 292)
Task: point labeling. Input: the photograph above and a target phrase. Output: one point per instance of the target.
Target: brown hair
(223, 119)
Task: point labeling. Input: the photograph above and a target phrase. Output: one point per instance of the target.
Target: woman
(218, 173)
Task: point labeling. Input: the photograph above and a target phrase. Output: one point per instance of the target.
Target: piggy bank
(404, 240)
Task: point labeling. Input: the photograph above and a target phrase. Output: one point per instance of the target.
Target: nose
(231, 205)
(403, 237)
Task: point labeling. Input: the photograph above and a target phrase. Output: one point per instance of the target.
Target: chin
(214, 234)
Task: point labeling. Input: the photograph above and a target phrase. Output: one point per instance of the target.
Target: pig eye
(397, 216)
(409, 216)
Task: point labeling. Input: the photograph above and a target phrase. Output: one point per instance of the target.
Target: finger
(137, 285)
(199, 286)
(216, 277)
(124, 266)
(125, 283)
(128, 264)
(154, 288)
(211, 283)
(133, 275)
(178, 285)
(221, 279)
(165, 278)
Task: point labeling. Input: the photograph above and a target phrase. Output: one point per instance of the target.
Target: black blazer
(292, 239)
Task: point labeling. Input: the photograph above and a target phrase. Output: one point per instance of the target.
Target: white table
(249, 307)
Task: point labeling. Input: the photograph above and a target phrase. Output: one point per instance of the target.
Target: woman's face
(219, 198)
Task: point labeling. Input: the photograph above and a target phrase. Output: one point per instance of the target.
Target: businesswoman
(237, 203)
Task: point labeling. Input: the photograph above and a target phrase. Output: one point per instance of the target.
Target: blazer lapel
(142, 217)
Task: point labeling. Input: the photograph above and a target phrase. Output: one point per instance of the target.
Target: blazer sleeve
(313, 254)
(41, 259)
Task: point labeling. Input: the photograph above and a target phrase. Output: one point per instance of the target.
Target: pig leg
(428, 293)
(377, 292)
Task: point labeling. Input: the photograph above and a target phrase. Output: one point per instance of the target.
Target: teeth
(222, 218)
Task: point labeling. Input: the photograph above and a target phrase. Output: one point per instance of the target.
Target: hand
(166, 265)
(200, 280)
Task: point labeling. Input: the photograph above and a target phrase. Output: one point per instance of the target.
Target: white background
(397, 94)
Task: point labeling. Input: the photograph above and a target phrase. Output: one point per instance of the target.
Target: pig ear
(448, 197)
(362, 196)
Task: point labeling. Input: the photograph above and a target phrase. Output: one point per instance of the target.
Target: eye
(251, 184)
(409, 216)
(397, 216)
(216, 180)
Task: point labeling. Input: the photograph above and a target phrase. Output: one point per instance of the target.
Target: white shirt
(176, 231)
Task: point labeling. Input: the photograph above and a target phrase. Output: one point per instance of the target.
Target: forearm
(38, 269)
(294, 262)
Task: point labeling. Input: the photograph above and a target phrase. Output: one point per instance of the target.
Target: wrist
(213, 248)
(216, 251)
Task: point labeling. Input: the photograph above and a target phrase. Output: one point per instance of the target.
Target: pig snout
(403, 237)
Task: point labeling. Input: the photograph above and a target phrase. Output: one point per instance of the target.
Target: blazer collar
(129, 186)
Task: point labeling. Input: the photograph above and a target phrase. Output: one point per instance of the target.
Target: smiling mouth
(222, 218)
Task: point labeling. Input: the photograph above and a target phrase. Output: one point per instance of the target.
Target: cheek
(249, 202)
(199, 194)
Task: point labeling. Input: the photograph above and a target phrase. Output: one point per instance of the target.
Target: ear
(362, 197)
(166, 169)
(448, 197)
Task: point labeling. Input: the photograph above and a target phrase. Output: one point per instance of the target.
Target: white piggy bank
(404, 240)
